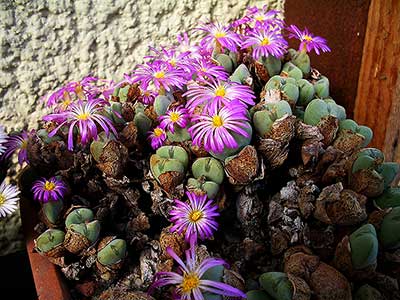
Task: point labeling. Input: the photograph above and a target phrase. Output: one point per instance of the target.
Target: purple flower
(52, 189)
(184, 45)
(3, 139)
(157, 137)
(17, 142)
(172, 58)
(194, 218)
(177, 115)
(219, 36)
(265, 42)
(214, 129)
(8, 199)
(255, 17)
(85, 115)
(205, 69)
(147, 96)
(216, 93)
(64, 94)
(160, 74)
(189, 283)
(308, 41)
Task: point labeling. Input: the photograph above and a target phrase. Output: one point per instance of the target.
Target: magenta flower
(172, 58)
(64, 95)
(3, 140)
(216, 93)
(265, 42)
(260, 17)
(219, 36)
(52, 189)
(189, 283)
(175, 116)
(194, 218)
(308, 41)
(157, 137)
(214, 129)
(184, 45)
(205, 69)
(160, 74)
(147, 96)
(17, 142)
(85, 115)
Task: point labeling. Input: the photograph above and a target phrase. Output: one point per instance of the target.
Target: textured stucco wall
(45, 43)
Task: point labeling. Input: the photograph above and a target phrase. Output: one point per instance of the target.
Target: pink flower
(17, 142)
(189, 283)
(219, 36)
(205, 69)
(85, 116)
(160, 74)
(175, 116)
(52, 189)
(157, 137)
(197, 217)
(217, 93)
(265, 42)
(214, 128)
(308, 41)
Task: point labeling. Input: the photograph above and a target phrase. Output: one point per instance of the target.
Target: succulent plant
(112, 253)
(351, 125)
(225, 61)
(367, 292)
(44, 136)
(389, 198)
(174, 152)
(364, 246)
(114, 112)
(210, 168)
(290, 70)
(319, 108)
(241, 141)
(321, 87)
(301, 60)
(199, 186)
(258, 295)
(159, 165)
(51, 212)
(122, 93)
(242, 75)
(142, 123)
(272, 64)
(264, 119)
(180, 135)
(161, 104)
(389, 233)
(79, 216)
(97, 146)
(277, 285)
(306, 92)
(50, 243)
(80, 236)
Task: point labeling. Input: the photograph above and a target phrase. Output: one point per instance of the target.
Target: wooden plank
(343, 24)
(378, 95)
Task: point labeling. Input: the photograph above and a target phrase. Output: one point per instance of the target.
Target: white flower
(3, 139)
(8, 199)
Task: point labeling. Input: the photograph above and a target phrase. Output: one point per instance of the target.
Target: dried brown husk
(274, 152)
(113, 159)
(243, 168)
(170, 181)
(367, 182)
(348, 141)
(173, 240)
(328, 126)
(129, 136)
(301, 290)
(75, 242)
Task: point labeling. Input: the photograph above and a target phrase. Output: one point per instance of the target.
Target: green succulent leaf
(364, 246)
(277, 285)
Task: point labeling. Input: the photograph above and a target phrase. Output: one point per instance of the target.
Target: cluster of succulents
(227, 150)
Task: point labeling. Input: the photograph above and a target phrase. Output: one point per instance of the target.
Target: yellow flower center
(203, 69)
(217, 121)
(24, 144)
(79, 92)
(308, 38)
(174, 117)
(83, 116)
(66, 103)
(195, 216)
(173, 62)
(265, 41)
(190, 282)
(2, 199)
(220, 91)
(159, 74)
(49, 186)
(259, 18)
(158, 132)
(219, 34)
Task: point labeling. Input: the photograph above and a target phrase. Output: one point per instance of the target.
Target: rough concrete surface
(46, 43)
